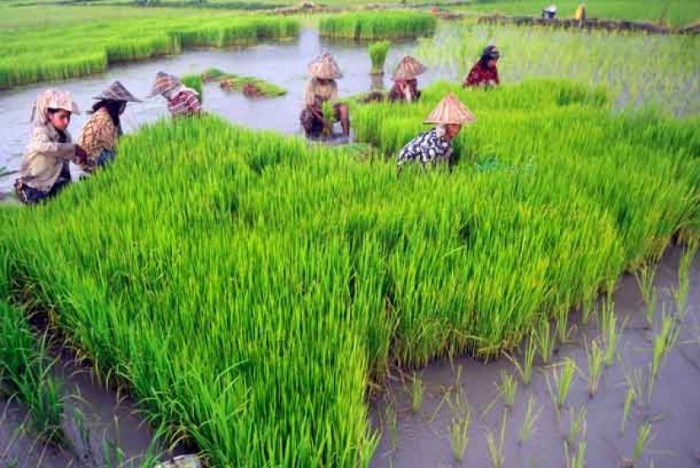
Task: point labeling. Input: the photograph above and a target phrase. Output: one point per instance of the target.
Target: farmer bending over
(322, 88)
(103, 128)
(484, 72)
(436, 145)
(182, 101)
(405, 78)
(45, 168)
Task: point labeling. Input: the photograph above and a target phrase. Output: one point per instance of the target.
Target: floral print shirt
(482, 76)
(430, 146)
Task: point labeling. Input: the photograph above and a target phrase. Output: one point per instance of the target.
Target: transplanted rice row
(258, 283)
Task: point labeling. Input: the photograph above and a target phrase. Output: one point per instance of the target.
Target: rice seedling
(507, 389)
(459, 436)
(563, 330)
(392, 424)
(642, 441)
(417, 392)
(610, 334)
(595, 359)
(683, 289)
(525, 368)
(664, 341)
(545, 341)
(577, 459)
(377, 53)
(645, 279)
(630, 397)
(560, 385)
(496, 446)
(370, 26)
(577, 425)
(532, 413)
(248, 85)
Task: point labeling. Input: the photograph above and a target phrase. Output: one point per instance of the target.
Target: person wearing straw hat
(484, 72)
(436, 144)
(103, 127)
(182, 101)
(322, 88)
(405, 78)
(45, 167)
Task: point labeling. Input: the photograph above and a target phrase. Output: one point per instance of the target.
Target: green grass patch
(378, 25)
(31, 55)
(377, 53)
(248, 85)
(194, 82)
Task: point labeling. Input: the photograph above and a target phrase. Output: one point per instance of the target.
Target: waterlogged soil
(283, 64)
(422, 439)
(101, 428)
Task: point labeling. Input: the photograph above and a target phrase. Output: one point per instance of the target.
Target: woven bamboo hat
(408, 69)
(324, 67)
(164, 82)
(117, 92)
(450, 111)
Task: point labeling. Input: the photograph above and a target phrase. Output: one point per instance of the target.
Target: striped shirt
(184, 103)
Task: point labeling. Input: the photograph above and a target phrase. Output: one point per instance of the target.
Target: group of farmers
(44, 170)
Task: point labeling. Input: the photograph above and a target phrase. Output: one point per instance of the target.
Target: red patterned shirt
(184, 103)
(480, 75)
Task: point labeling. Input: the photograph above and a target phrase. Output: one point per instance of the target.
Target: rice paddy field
(263, 299)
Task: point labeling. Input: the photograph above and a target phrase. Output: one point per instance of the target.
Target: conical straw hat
(408, 69)
(325, 67)
(117, 92)
(450, 111)
(164, 82)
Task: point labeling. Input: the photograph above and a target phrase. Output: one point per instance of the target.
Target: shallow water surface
(281, 63)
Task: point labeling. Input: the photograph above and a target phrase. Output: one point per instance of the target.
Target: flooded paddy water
(423, 438)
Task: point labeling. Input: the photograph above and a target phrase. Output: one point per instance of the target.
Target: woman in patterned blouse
(182, 101)
(484, 72)
(436, 144)
(103, 128)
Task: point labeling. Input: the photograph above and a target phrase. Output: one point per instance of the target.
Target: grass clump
(248, 85)
(194, 82)
(373, 26)
(377, 53)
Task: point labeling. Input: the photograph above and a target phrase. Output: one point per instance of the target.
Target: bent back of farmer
(182, 101)
(405, 88)
(484, 72)
(322, 88)
(45, 168)
(436, 145)
(103, 127)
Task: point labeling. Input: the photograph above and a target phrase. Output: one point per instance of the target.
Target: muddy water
(101, 428)
(283, 64)
(674, 407)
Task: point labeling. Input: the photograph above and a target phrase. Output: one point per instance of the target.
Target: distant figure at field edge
(485, 72)
(436, 144)
(45, 168)
(405, 78)
(580, 14)
(182, 101)
(322, 88)
(103, 127)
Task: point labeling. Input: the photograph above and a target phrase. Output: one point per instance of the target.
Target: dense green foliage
(247, 285)
(372, 26)
(377, 53)
(30, 55)
(194, 82)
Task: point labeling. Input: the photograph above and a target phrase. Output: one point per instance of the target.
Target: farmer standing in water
(182, 101)
(484, 72)
(45, 168)
(322, 88)
(405, 78)
(436, 145)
